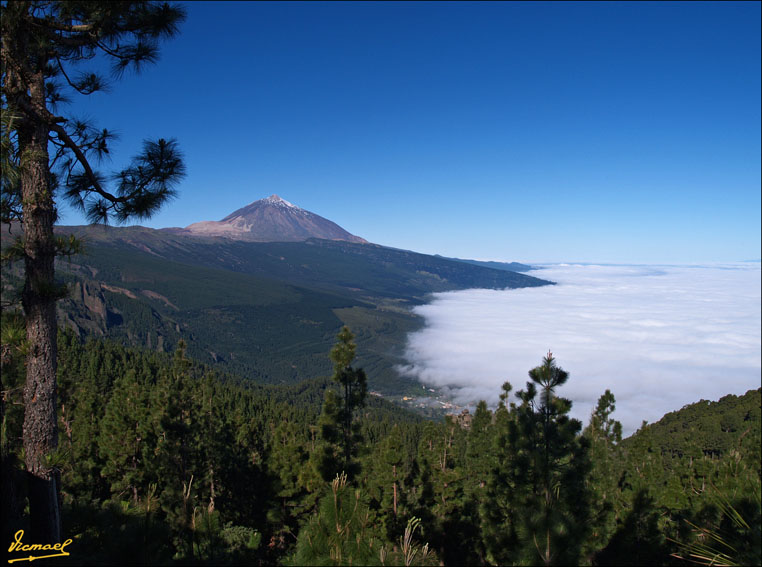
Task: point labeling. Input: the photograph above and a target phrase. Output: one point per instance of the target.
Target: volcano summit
(272, 220)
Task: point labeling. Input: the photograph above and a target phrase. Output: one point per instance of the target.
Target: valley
(265, 310)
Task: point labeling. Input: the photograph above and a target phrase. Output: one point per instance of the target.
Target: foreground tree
(341, 533)
(43, 46)
(536, 508)
(604, 434)
(354, 385)
(339, 430)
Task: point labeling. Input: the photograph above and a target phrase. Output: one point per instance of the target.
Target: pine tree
(179, 465)
(83, 405)
(479, 462)
(328, 457)
(288, 464)
(339, 430)
(479, 453)
(127, 440)
(43, 47)
(386, 483)
(340, 533)
(537, 505)
(353, 383)
(604, 435)
(639, 539)
(11, 419)
(441, 499)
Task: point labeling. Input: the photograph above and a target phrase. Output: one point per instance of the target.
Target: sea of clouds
(659, 337)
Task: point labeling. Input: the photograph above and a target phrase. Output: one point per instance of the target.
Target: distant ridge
(506, 266)
(271, 220)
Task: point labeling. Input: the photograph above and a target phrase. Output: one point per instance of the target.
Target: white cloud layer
(659, 337)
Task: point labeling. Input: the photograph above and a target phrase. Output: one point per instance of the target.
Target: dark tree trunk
(39, 297)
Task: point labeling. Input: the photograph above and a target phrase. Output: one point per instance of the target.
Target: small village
(433, 404)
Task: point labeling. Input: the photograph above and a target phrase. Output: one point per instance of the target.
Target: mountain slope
(267, 310)
(507, 266)
(706, 427)
(360, 270)
(271, 220)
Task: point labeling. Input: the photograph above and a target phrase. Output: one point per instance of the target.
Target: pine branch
(92, 177)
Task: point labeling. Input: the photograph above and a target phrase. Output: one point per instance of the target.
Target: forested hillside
(164, 460)
(265, 310)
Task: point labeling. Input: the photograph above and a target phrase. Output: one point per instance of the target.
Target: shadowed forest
(163, 460)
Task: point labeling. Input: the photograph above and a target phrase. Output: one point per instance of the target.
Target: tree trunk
(39, 297)
(394, 472)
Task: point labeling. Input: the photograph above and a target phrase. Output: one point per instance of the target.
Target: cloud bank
(659, 337)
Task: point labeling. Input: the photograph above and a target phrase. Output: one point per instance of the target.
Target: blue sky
(546, 132)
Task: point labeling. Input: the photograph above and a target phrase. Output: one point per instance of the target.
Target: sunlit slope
(366, 269)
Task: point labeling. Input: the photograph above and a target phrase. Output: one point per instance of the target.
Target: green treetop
(537, 504)
(353, 385)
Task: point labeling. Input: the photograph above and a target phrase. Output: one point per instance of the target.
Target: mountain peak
(277, 201)
(272, 219)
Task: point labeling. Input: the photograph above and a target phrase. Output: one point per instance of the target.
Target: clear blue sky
(594, 132)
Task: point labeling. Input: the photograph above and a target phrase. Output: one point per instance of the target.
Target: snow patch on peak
(275, 200)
